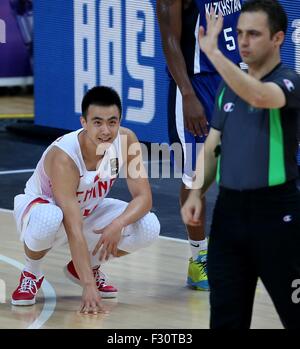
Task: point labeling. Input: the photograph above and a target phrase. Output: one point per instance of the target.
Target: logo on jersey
(289, 85)
(228, 107)
(224, 7)
(114, 165)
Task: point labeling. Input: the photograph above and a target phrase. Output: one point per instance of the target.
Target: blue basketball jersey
(230, 9)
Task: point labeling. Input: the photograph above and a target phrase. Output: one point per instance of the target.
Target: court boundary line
(29, 170)
(5, 210)
(49, 296)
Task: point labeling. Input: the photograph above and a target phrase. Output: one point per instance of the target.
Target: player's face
(102, 123)
(256, 45)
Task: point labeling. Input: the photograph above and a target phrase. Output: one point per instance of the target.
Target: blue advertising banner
(15, 41)
(291, 48)
(82, 43)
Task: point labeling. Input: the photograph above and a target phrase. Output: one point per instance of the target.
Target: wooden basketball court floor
(151, 283)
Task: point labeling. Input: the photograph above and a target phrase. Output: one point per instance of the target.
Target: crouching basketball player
(64, 201)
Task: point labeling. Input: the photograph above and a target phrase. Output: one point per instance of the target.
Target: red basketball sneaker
(106, 291)
(26, 291)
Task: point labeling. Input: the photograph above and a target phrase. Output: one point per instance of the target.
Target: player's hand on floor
(91, 300)
(191, 210)
(108, 243)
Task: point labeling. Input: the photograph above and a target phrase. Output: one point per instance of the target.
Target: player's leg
(197, 272)
(39, 226)
(197, 276)
(135, 236)
(205, 87)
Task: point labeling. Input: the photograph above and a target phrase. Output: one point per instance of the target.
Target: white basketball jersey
(93, 186)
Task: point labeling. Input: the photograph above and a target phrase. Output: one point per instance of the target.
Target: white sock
(197, 246)
(33, 266)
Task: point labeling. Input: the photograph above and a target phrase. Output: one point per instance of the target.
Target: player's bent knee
(140, 234)
(44, 222)
(149, 229)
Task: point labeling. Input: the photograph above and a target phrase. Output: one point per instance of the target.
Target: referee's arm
(207, 162)
(257, 93)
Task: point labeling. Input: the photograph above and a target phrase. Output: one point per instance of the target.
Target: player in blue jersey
(193, 85)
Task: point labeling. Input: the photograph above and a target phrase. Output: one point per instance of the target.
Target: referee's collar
(272, 71)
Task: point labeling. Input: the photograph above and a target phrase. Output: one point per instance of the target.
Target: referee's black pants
(255, 233)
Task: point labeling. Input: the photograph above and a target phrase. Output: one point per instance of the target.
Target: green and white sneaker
(197, 272)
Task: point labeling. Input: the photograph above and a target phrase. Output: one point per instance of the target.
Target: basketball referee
(251, 150)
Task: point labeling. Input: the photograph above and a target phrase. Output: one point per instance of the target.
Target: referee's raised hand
(208, 40)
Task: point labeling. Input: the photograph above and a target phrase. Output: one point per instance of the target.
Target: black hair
(103, 96)
(276, 14)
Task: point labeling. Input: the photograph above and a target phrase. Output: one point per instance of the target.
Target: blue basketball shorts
(205, 86)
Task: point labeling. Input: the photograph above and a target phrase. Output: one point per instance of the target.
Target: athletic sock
(33, 266)
(197, 246)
